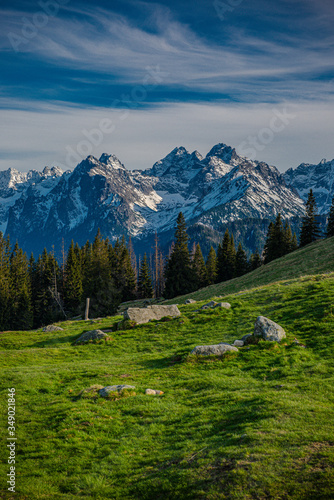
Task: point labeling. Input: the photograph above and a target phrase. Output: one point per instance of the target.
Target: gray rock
(238, 343)
(112, 388)
(153, 392)
(151, 312)
(91, 335)
(247, 339)
(190, 301)
(268, 330)
(218, 349)
(53, 328)
(209, 304)
(224, 305)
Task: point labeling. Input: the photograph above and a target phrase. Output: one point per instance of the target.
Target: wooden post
(87, 309)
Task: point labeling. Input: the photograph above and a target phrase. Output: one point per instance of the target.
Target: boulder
(217, 349)
(268, 330)
(91, 335)
(153, 392)
(209, 304)
(151, 312)
(224, 305)
(190, 301)
(248, 339)
(104, 392)
(53, 328)
(238, 343)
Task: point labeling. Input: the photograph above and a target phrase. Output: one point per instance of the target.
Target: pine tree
(20, 307)
(4, 282)
(330, 224)
(310, 227)
(199, 267)
(145, 289)
(226, 258)
(180, 276)
(73, 282)
(211, 267)
(255, 261)
(242, 266)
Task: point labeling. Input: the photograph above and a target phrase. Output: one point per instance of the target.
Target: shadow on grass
(54, 341)
(177, 358)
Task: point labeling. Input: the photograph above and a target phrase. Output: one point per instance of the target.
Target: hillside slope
(315, 258)
(257, 424)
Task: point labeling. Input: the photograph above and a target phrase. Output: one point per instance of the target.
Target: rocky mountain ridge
(42, 208)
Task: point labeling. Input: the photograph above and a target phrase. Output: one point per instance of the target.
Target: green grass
(315, 258)
(257, 424)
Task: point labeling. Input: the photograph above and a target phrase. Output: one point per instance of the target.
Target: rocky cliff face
(41, 208)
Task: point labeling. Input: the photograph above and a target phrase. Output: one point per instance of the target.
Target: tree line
(35, 292)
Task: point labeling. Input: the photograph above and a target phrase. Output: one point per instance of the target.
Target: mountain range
(222, 189)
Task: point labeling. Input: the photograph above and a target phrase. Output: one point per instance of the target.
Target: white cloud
(33, 139)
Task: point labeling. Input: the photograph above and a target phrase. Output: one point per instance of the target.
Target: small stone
(53, 328)
(91, 335)
(216, 349)
(223, 305)
(104, 392)
(238, 343)
(153, 392)
(190, 301)
(268, 330)
(209, 304)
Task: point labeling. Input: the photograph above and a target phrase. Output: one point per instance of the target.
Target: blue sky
(138, 78)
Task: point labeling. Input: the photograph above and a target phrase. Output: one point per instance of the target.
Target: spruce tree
(255, 261)
(330, 223)
(73, 282)
(310, 227)
(241, 266)
(211, 267)
(5, 252)
(20, 307)
(180, 276)
(226, 258)
(145, 288)
(199, 267)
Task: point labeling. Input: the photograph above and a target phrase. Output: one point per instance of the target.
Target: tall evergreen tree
(211, 267)
(330, 223)
(5, 252)
(255, 261)
(241, 266)
(199, 267)
(20, 308)
(226, 258)
(180, 276)
(145, 289)
(279, 240)
(73, 280)
(310, 227)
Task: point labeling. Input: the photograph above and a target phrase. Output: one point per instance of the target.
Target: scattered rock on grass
(209, 304)
(268, 330)
(104, 392)
(53, 328)
(91, 335)
(153, 392)
(217, 349)
(224, 305)
(190, 301)
(141, 316)
(238, 343)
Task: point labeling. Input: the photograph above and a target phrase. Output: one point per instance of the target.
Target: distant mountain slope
(41, 208)
(319, 178)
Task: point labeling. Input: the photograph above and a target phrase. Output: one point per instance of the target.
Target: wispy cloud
(108, 45)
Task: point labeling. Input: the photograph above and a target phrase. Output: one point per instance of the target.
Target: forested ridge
(36, 292)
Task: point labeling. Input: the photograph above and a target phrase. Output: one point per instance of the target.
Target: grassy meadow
(257, 424)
